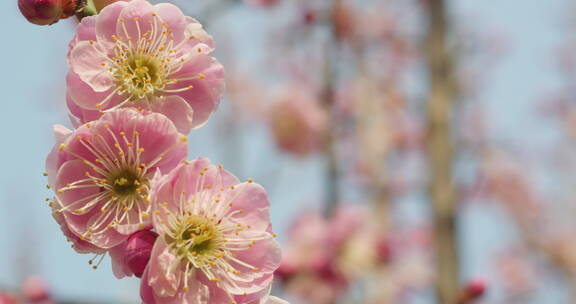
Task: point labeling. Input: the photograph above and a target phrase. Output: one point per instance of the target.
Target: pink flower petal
(107, 20)
(137, 18)
(174, 19)
(163, 279)
(177, 110)
(82, 94)
(207, 88)
(86, 60)
(253, 200)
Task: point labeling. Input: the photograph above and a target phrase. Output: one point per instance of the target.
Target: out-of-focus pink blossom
(517, 272)
(132, 256)
(35, 290)
(246, 95)
(324, 255)
(299, 123)
(215, 242)
(102, 173)
(46, 12)
(505, 180)
(354, 236)
(6, 298)
(135, 54)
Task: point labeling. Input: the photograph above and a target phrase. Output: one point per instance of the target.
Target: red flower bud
(472, 291)
(476, 288)
(46, 12)
(137, 252)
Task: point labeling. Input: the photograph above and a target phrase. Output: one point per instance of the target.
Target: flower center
(196, 236)
(140, 75)
(125, 183)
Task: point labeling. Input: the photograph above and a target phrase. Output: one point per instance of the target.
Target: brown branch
(439, 144)
(332, 176)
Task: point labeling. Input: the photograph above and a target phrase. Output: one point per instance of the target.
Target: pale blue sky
(32, 80)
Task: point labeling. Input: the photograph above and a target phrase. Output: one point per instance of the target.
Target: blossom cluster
(141, 77)
(327, 254)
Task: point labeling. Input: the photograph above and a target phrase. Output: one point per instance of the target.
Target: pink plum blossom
(103, 171)
(132, 256)
(135, 54)
(299, 123)
(215, 243)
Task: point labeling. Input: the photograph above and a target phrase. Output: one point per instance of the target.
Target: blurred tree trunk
(441, 98)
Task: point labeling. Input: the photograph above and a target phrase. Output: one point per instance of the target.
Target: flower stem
(85, 8)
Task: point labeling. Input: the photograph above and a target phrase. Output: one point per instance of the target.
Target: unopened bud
(46, 12)
(472, 291)
(138, 249)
